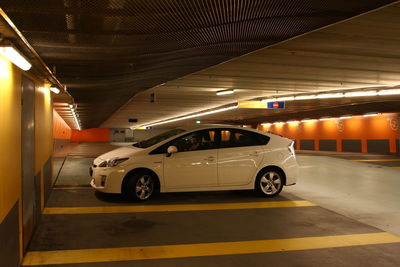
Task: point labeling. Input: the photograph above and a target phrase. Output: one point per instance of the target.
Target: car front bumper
(107, 180)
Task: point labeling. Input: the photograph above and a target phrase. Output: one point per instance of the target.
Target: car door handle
(210, 158)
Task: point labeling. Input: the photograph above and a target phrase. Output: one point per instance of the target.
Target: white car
(199, 158)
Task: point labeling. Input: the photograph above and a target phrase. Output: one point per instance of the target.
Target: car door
(195, 163)
(239, 156)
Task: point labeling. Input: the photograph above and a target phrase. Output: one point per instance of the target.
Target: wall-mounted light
(198, 122)
(346, 117)
(54, 90)
(370, 114)
(225, 92)
(8, 50)
(266, 124)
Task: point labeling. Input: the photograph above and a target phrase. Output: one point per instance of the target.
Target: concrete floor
(352, 199)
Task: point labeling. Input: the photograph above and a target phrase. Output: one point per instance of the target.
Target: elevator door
(29, 202)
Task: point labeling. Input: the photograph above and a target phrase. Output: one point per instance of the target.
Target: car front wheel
(140, 186)
(269, 182)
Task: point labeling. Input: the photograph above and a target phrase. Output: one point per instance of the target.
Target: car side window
(200, 140)
(240, 138)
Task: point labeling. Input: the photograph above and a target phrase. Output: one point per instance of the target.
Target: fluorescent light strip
(15, 57)
(55, 90)
(305, 97)
(308, 120)
(225, 92)
(370, 114)
(325, 119)
(190, 116)
(334, 95)
(71, 107)
(279, 123)
(293, 122)
(389, 92)
(346, 117)
(360, 93)
(266, 124)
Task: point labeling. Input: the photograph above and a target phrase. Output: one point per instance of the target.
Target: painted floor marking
(35, 258)
(184, 207)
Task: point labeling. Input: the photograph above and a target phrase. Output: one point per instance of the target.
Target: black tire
(269, 182)
(140, 186)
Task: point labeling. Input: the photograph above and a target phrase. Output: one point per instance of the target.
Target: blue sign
(276, 105)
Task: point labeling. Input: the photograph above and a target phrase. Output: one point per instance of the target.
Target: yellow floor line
(163, 208)
(73, 187)
(377, 160)
(204, 249)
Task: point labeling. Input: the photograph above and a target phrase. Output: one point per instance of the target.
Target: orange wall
(91, 135)
(61, 130)
(384, 126)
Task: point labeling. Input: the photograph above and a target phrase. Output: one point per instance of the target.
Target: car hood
(122, 152)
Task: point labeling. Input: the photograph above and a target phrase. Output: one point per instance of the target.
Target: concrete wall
(377, 134)
(10, 162)
(11, 230)
(61, 132)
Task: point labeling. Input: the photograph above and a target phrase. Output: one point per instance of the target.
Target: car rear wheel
(269, 183)
(140, 186)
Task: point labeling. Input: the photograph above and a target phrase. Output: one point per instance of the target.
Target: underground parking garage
(202, 133)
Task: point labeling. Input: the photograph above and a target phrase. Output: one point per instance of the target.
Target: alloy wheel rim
(270, 183)
(144, 187)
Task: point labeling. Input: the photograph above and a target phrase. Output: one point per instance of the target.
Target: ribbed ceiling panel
(106, 51)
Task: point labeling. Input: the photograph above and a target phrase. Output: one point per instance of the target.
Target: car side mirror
(171, 150)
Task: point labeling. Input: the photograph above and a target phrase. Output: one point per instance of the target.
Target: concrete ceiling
(360, 53)
(107, 51)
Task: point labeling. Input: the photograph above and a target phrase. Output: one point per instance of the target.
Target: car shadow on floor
(196, 198)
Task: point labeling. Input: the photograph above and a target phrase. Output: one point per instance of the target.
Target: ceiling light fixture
(325, 96)
(266, 124)
(54, 90)
(225, 92)
(191, 116)
(360, 93)
(308, 120)
(325, 119)
(8, 50)
(389, 92)
(292, 122)
(370, 114)
(346, 117)
(279, 123)
(305, 97)
(75, 115)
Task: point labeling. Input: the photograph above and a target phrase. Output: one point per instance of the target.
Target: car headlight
(112, 162)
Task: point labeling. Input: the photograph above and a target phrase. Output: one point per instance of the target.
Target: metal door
(29, 201)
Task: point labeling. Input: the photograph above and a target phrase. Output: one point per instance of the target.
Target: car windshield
(158, 138)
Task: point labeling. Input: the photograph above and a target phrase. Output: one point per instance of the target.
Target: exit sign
(276, 105)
